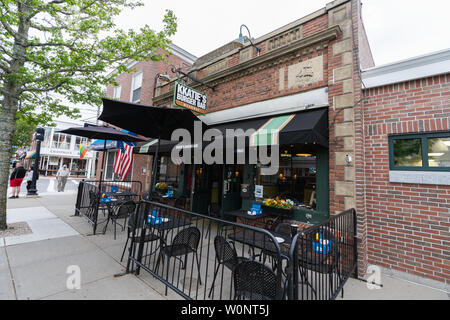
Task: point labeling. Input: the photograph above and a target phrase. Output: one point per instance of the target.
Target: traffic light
(39, 134)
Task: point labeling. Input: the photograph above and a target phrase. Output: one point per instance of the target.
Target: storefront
(300, 178)
(60, 149)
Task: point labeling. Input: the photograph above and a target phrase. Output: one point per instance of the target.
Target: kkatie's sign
(188, 98)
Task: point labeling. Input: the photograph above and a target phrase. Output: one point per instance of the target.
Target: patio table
(261, 240)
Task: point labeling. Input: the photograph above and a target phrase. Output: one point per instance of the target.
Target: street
(46, 185)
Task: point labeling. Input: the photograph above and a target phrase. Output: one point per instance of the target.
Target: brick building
(406, 167)
(310, 64)
(312, 69)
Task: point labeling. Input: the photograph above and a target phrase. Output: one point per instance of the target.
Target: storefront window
(61, 141)
(169, 172)
(78, 167)
(81, 141)
(295, 180)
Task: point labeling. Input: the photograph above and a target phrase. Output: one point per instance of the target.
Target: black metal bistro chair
(94, 201)
(180, 203)
(225, 255)
(327, 264)
(135, 223)
(185, 242)
(283, 229)
(122, 211)
(253, 280)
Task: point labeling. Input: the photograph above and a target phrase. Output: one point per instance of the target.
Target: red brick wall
(408, 225)
(150, 70)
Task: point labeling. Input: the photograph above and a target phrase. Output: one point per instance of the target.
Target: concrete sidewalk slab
(49, 276)
(126, 287)
(43, 223)
(6, 283)
(392, 289)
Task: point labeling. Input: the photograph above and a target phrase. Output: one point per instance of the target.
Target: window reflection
(438, 152)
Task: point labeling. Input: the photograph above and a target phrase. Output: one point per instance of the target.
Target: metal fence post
(79, 196)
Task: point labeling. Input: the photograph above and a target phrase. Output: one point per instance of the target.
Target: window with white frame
(117, 92)
(136, 85)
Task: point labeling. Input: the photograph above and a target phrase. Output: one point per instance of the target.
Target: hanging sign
(186, 97)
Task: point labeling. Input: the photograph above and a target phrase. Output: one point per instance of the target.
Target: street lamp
(39, 136)
(240, 40)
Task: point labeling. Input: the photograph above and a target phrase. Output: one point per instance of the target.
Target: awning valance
(297, 128)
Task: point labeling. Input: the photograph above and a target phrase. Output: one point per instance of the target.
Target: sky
(397, 29)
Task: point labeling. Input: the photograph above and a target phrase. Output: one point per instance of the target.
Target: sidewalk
(35, 266)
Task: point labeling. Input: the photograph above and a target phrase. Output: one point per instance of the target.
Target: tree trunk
(7, 126)
(10, 104)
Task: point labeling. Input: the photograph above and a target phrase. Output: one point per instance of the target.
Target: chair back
(189, 237)
(225, 253)
(308, 256)
(136, 224)
(255, 281)
(214, 210)
(180, 203)
(93, 198)
(284, 229)
(125, 209)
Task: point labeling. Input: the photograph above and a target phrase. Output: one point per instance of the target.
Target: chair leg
(214, 280)
(106, 226)
(198, 268)
(167, 272)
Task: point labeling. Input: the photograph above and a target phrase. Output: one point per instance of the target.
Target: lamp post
(240, 40)
(39, 136)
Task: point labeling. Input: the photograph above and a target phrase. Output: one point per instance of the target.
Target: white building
(58, 149)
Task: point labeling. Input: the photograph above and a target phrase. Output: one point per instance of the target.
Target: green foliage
(68, 48)
(24, 132)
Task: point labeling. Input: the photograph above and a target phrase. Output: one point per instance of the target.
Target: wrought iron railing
(202, 257)
(88, 203)
(323, 257)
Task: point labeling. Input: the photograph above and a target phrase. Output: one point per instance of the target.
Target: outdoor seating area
(205, 257)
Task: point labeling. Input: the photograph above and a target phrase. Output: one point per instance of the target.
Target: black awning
(298, 128)
(301, 127)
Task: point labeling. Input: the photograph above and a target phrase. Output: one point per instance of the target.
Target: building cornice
(432, 64)
(300, 47)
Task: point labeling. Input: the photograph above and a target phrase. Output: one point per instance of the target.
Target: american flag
(124, 159)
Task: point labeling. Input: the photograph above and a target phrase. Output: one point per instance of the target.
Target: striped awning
(31, 155)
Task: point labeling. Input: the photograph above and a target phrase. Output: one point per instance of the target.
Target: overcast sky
(397, 29)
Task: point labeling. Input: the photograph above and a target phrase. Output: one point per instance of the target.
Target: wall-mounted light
(348, 159)
(240, 40)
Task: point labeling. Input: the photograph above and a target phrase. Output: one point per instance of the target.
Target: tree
(64, 48)
(23, 133)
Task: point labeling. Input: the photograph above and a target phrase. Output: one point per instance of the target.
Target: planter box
(277, 211)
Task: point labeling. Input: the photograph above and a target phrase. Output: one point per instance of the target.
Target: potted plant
(277, 206)
(161, 187)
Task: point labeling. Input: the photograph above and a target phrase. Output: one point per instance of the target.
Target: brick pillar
(345, 120)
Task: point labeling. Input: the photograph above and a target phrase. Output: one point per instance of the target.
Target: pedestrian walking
(61, 176)
(15, 180)
(29, 177)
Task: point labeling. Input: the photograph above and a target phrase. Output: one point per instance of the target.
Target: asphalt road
(48, 185)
